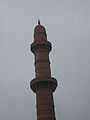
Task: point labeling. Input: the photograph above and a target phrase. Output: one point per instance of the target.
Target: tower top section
(38, 22)
(40, 35)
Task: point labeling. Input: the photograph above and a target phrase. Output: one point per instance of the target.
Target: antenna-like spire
(38, 22)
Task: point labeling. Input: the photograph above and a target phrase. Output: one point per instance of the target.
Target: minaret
(43, 84)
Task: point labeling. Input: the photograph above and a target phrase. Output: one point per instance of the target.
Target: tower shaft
(43, 85)
(45, 104)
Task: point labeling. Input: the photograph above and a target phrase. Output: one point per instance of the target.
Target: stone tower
(43, 84)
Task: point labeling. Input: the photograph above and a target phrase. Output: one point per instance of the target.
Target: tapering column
(43, 85)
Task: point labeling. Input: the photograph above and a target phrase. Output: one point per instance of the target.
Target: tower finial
(38, 22)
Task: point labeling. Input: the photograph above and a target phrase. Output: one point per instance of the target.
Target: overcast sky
(67, 24)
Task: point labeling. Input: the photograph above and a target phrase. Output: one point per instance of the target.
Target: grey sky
(68, 25)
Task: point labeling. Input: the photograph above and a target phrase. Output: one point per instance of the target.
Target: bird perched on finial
(38, 22)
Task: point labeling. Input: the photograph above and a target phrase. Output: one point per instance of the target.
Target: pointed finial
(38, 22)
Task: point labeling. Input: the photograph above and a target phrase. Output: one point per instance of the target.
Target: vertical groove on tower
(43, 85)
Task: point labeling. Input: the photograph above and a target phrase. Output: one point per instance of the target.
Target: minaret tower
(43, 84)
